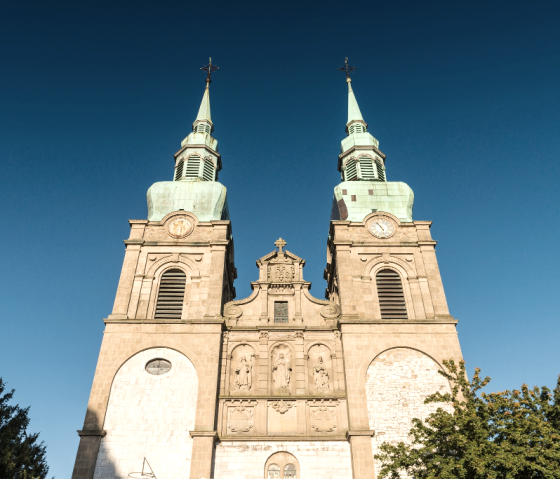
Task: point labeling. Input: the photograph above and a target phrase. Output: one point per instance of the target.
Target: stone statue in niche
(244, 374)
(321, 375)
(320, 369)
(281, 370)
(242, 363)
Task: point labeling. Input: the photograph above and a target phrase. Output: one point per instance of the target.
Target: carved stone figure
(321, 375)
(244, 372)
(281, 371)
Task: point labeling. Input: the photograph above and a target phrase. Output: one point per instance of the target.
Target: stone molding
(349, 434)
(85, 432)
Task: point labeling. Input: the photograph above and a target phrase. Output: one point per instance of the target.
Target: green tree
(503, 435)
(21, 456)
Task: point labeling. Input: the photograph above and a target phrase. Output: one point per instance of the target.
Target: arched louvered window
(193, 167)
(179, 170)
(357, 129)
(171, 295)
(390, 294)
(380, 171)
(208, 171)
(351, 171)
(366, 168)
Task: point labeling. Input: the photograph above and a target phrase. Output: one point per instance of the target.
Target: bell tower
(382, 272)
(154, 394)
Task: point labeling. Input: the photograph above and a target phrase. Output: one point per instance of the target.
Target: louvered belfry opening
(171, 294)
(390, 293)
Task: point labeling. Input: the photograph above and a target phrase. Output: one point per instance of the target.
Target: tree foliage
(21, 455)
(503, 435)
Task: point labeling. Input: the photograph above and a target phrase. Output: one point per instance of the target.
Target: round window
(158, 366)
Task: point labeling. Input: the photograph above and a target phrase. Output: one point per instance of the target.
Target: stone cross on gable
(280, 243)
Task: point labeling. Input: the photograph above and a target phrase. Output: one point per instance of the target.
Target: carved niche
(242, 369)
(240, 416)
(281, 369)
(323, 415)
(319, 366)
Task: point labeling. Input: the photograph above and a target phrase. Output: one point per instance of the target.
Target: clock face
(381, 227)
(180, 228)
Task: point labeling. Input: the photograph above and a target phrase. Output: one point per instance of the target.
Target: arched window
(366, 168)
(171, 295)
(290, 471)
(350, 171)
(193, 167)
(179, 170)
(273, 471)
(208, 170)
(380, 170)
(390, 294)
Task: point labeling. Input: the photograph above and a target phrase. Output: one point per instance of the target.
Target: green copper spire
(364, 188)
(195, 186)
(204, 110)
(354, 113)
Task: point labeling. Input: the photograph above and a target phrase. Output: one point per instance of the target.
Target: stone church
(194, 383)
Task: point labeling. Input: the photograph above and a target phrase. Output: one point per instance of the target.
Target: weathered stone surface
(149, 416)
(398, 381)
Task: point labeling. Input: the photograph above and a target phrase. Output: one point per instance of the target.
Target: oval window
(158, 366)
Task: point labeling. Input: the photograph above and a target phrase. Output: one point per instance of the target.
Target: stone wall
(397, 383)
(149, 416)
(320, 459)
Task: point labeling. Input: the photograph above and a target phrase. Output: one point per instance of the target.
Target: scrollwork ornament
(232, 311)
(331, 310)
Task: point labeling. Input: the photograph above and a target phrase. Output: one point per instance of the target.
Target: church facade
(193, 383)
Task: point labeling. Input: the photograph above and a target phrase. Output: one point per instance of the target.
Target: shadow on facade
(90, 441)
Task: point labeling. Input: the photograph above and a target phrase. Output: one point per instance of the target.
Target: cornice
(279, 437)
(448, 320)
(211, 150)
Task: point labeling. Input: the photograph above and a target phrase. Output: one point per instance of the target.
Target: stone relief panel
(240, 417)
(282, 417)
(281, 269)
(322, 415)
(320, 370)
(281, 369)
(242, 369)
(397, 383)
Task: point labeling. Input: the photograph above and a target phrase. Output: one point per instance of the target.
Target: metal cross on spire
(347, 69)
(280, 243)
(209, 69)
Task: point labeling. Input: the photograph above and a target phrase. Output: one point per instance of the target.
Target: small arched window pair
(289, 471)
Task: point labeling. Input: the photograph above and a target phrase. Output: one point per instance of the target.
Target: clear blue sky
(96, 97)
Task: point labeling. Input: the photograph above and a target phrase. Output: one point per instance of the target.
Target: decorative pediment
(281, 295)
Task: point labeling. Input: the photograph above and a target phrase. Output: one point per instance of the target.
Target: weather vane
(209, 69)
(347, 69)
